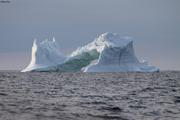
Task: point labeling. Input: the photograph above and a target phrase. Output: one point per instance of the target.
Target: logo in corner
(5, 1)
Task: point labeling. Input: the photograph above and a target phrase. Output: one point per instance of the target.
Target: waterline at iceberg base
(107, 53)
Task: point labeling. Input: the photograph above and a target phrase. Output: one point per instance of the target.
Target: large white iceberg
(44, 55)
(117, 55)
(107, 53)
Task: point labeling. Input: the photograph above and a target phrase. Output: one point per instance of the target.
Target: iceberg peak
(114, 39)
(105, 39)
(44, 54)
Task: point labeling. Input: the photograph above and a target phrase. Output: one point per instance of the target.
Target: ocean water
(89, 96)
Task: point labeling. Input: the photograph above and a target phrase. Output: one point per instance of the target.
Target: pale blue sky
(154, 24)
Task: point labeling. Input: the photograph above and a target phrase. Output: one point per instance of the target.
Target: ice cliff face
(44, 54)
(107, 53)
(118, 55)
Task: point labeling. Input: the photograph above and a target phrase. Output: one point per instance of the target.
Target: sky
(154, 25)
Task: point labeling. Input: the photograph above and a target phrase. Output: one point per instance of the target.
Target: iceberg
(107, 53)
(110, 53)
(44, 55)
(117, 55)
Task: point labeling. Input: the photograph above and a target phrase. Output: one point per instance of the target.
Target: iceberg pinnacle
(44, 54)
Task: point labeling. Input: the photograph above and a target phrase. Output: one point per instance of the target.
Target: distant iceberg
(107, 53)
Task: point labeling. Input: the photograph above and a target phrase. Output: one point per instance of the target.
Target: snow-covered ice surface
(107, 53)
(90, 96)
(44, 55)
